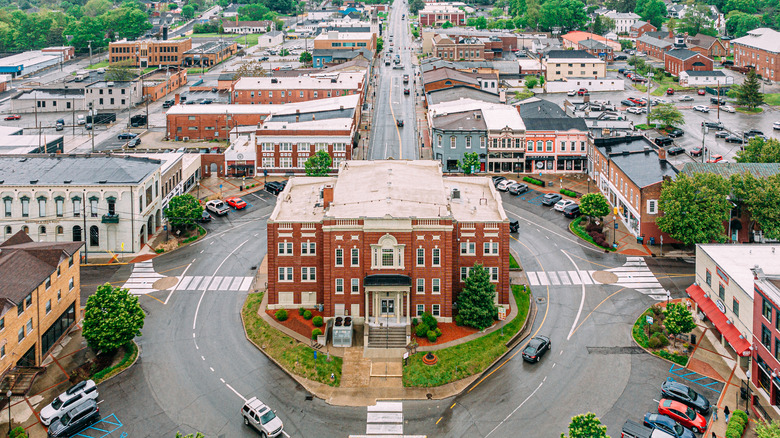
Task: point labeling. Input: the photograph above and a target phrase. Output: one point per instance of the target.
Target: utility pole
(92, 128)
(35, 108)
(84, 210)
(90, 52)
(73, 111)
(719, 101)
(649, 83)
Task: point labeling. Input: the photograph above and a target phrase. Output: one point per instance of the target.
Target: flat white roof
(398, 189)
(30, 58)
(285, 108)
(168, 158)
(497, 116)
(348, 81)
(736, 260)
(344, 35)
(310, 125)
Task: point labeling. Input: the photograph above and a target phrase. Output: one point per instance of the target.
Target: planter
(430, 359)
(322, 339)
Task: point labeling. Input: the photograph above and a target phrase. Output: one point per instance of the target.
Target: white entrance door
(387, 307)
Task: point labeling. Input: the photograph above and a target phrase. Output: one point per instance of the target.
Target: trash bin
(693, 339)
(549, 183)
(640, 239)
(652, 241)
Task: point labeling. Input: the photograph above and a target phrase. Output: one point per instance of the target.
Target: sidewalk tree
(693, 209)
(112, 318)
(191, 435)
(318, 164)
(594, 205)
(678, 320)
(531, 82)
(759, 196)
(415, 6)
(586, 426)
(749, 93)
(757, 150)
(251, 69)
(187, 11)
(380, 44)
(306, 58)
(476, 303)
(121, 71)
(766, 429)
(667, 114)
(470, 163)
(183, 211)
(284, 52)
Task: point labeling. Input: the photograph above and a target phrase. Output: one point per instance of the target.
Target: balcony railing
(110, 219)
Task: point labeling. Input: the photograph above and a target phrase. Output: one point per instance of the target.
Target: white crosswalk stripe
(142, 278)
(633, 274)
(217, 283)
(385, 418)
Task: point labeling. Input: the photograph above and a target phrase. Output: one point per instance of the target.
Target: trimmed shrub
(429, 320)
(432, 336)
(569, 193)
(438, 332)
(421, 330)
(535, 181)
(737, 424)
(662, 338)
(307, 315)
(281, 315)
(593, 227)
(19, 432)
(414, 322)
(458, 321)
(301, 311)
(316, 332)
(317, 321)
(654, 342)
(656, 327)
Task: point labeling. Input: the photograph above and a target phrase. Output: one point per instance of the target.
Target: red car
(236, 203)
(13, 117)
(682, 414)
(582, 92)
(701, 92)
(715, 159)
(637, 101)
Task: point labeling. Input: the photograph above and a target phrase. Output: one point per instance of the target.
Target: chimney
(327, 195)
(661, 154)
(165, 33)
(671, 34)
(297, 118)
(177, 98)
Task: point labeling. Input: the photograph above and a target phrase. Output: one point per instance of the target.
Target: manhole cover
(165, 283)
(540, 300)
(605, 277)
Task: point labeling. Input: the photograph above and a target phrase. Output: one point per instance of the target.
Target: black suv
(275, 187)
(718, 100)
(674, 390)
(663, 141)
(76, 419)
(716, 125)
(676, 132)
(753, 133)
(514, 225)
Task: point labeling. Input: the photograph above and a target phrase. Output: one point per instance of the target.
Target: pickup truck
(406, 79)
(632, 429)
(217, 207)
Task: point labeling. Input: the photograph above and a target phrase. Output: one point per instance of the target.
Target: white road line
(196, 282)
(215, 283)
(582, 300)
(244, 399)
(225, 283)
(575, 278)
(177, 284)
(553, 278)
(564, 278)
(543, 278)
(532, 278)
(197, 309)
(518, 407)
(246, 283)
(222, 380)
(236, 283)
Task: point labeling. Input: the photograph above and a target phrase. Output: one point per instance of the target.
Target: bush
(414, 322)
(317, 321)
(592, 226)
(429, 320)
(421, 330)
(316, 332)
(654, 342)
(432, 336)
(438, 332)
(737, 424)
(281, 315)
(657, 311)
(528, 179)
(569, 193)
(19, 432)
(458, 321)
(307, 315)
(301, 311)
(658, 340)
(656, 327)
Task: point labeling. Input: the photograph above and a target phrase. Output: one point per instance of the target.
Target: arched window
(60, 230)
(94, 236)
(26, 229)
(76, 233)
(7, 229)
(41, 230)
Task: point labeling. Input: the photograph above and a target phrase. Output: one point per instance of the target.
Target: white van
(101, 70)
(81, 119)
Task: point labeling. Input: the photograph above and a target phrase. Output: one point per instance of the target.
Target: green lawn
(772, 99)
(467, 359)
(251, 39)
(101, 64)
(644, 126)
(576, 227)
(513, 263)
(744, 110)
(294, 356)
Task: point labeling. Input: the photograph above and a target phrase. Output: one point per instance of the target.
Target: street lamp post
(9, 394)
(198, 184)
(614, 231)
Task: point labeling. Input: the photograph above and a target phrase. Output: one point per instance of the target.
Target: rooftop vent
(35, 181)
(67, 181)
(455, 193)
(274, 80)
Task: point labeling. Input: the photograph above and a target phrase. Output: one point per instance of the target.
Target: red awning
(731, 333)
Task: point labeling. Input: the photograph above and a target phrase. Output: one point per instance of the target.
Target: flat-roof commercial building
(565, 64)
(113, 95)
(29, 62)
(386, 252)
(49, 100)
(335, 46)
(766, 329)
(51, 198)
(147, 53)
(210, 53)
(40, 284)
(278, 90)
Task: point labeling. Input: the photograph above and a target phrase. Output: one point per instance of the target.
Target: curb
(532, 311)
(650, 352)
(571, 224)
(137, 356)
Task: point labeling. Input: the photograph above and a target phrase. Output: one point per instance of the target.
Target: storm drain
(615, 350)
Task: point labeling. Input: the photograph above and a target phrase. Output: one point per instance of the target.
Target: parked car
(514, 225)
(126, 136)
(205, 217)
(236, 202)
(88, 126)
(675, 150)
(76, 394)
(674, 390)
(261, 418)
(563, 203)
(217, 207)
(663, 141)
(727, 62)
(551, 199)
(702, 108)
(583, 92)
(134, 142)
(536, 348)
(676, 132)
(59, 127)
(733, 138)
(13, 117)
(753, 133)
(168, 103)
(686, 98)
(81, 119)
(498, 179)
(627, 103)
(632, 429)
(683, 414)
(571, 211)
(715, 159)
(571, 93)
(728, 108)
(75, 420)
(517, 188)
(776, 126)
(696, 152)
(637, 109)
(722, 134)
(274, 187)
(668, 425)
(718, 100)
(670, 91)
(504, 185)
(716, 125)
(621, 58)
(701, 92)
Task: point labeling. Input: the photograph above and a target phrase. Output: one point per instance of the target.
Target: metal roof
(82, 170)
(759, 170)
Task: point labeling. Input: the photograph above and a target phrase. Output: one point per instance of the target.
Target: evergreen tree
(476, 303)
(749, 93)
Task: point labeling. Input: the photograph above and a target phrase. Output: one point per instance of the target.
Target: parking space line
(676, 370)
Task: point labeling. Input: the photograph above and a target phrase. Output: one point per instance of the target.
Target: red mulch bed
(449, 332)
(296, 322)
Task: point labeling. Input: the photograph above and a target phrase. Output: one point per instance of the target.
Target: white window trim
(419, 283)
(336, 286)
(336, 257)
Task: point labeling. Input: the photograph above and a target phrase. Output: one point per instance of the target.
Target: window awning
(721, 321)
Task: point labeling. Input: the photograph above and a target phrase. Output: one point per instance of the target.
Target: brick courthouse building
(385, 239)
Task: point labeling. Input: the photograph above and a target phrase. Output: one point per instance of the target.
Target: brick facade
(149, 52)
(675, 64)
(637, 30)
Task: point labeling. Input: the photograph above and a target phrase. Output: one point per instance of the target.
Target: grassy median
(464, 360)
(294, 356)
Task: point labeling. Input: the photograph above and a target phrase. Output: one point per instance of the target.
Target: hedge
(737, 424)
(569, 193)
(528, 179)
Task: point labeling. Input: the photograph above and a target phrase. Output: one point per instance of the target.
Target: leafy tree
(254, 12)
(678, 320)
(476, 303)
(766, 429)
(496, 12)
(757, 150)
(626, 44)
(568, 14)
(470, 163)
(187, 11)
(667, 114)
(602, 25)
(759, 196)
(251, 69)
(191, 435)
(479, 22)
(652, 11)
(183, 211)
(121, 71)
(694, 208)
(531, 82)
(95, 8)
(739, 24)
(446, 25)
(126, 22)
(415, 6)
(211, 27)
(172, 6)
(749, 93)
(586, 426)
(85, 30)
(112, 318)
(621, 5)
(284, 52)
(697, 20)
(594, 205)
(744, 6)
(639, 64)
(318, 164)
(306, 58)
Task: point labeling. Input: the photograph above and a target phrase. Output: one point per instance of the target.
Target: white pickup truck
(217, 207)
